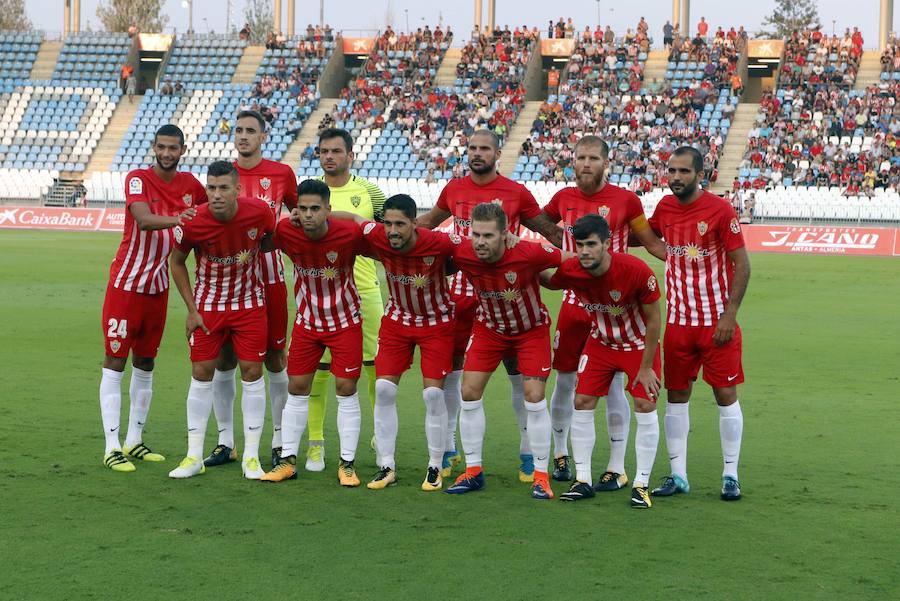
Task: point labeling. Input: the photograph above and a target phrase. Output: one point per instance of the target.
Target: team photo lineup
(469, 298)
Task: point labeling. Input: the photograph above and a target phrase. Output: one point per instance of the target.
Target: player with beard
(275, 184)
(134, 311)
(457, 199)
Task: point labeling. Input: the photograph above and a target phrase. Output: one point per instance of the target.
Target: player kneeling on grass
(419, 312)
(621, 294)
(323, 251)
(227, 303)
(511, 322)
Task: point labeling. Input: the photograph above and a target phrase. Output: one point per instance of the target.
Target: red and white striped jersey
(614, 299)
(275, 184)
(142, 261)
(698, 238)
(508, 291)
(327, 299)
(227, 252)
(621, 208)
(460, 196)
(417, 279)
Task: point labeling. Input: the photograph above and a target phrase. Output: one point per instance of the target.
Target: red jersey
(227, 252)
(508, 291)
(621, 208)
(460, 196)
(613, 299)
(327, 299)
(698, 271)
(142, 261)
(417, 279)
(275, 184)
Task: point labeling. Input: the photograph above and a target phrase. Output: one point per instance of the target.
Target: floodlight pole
(885, 22)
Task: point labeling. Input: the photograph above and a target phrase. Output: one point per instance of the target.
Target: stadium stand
(890, 60)
(17, 53)
(198, 60)
(713, 59)
(92, 59)
(813, 58)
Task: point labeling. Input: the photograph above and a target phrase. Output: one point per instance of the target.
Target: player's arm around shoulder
(433, 218)
(138, 203)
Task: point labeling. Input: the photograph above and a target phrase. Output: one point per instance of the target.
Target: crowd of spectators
(813, 58)
(606, 62)
(890, 57)
(817, 135)
(718, 54)
(497, 61)
(396, 58)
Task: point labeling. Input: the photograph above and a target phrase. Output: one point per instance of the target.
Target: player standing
(134, 310)
(707, 271)
(350, 194)
(511, 322)
(275, 184)
(227, 303)
(622, 210)
(621, 294)
(457, 200)
(324, 252)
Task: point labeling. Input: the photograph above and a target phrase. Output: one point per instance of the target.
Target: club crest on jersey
(115, 345)
(265, 183)
(603, 211)
(455, 239)
(355, 200)
(331, 256)
(188, 200)
(179, 233)
(511, 276)
(702, 226)
(615, 295)
(651, 283)
(735, 226)
(368, 229)
(428, 260)
(497, 201)
(252, 232)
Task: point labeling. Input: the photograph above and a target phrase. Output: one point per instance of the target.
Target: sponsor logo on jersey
(702, 226)
(265, 183)
(355, 200)
(651, 283)
(331, 256)
(252, 232)
(511, 276)
(368, 229)
(241, 258)
(613, 310)
(615, 295)
(179, 233)
(509, 295)
(603, 211)
(188, 199)
(691, 251)
(735, 226)
(328, 273)
(418, 280)
(428, 260)
(135, 185)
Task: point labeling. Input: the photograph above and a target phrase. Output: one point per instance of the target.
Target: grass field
(819, 518)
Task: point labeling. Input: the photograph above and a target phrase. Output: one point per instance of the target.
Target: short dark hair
(592, 140)
(489, 211)
(495, 139)
(334, 132)
(591, 224)
(220, 168)
(315, 187)
(696, 157)
(253, 115)
(170, 129)
(403, 203)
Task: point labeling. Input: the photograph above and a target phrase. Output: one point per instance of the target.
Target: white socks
(678, 424)
(539, 433)
(562, 404)
(618, 422)
(518, 405)
(253, 408)
(349, 419)
(224, 391)
(140, 391)
(278, 391)
(731, 429)
(199, 404)
(452, 400)
(471, 431)
(435, 424)
(293, 423)
(583, 438)
(646, 440)
(111, 407)
(386, 423)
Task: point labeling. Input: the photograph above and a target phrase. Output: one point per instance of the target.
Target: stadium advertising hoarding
(798, 239)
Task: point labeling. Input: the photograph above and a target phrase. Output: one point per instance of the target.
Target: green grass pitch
(819, 518)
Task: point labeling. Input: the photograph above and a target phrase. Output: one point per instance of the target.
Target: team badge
(428, 260)
(735, 226)
(355, 200)
(187, 198)
(368, 229)
(603, 211)
(265, 183)
(331, 256)
(615, 295)
(115, 345)
(497, 201)
(252, 232)
(511, 276)
(651, 283)
(179, 233)
(547, 248)
(135, 186)
(454, 238)
(702, 226)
